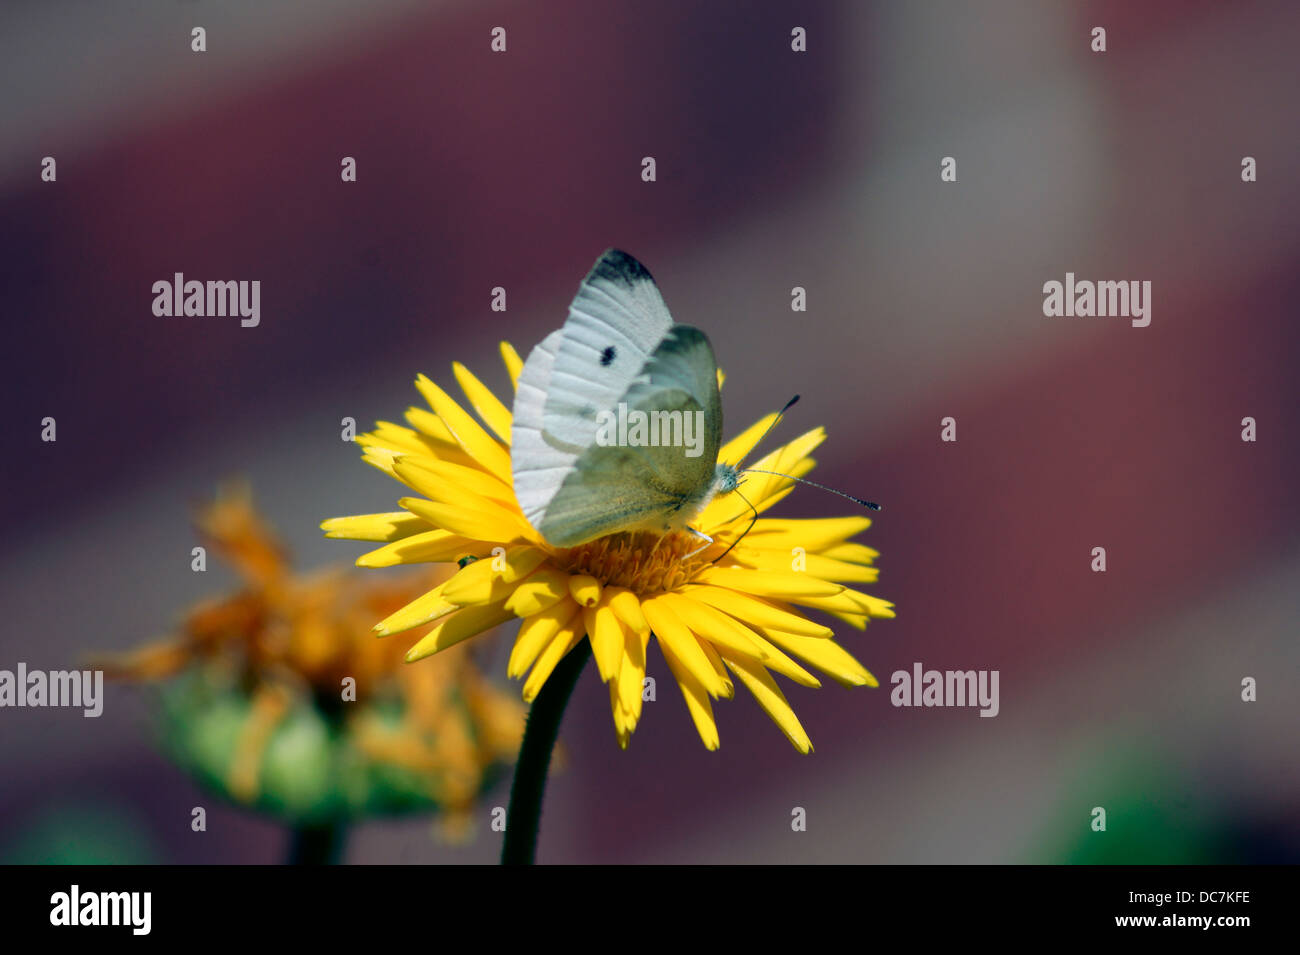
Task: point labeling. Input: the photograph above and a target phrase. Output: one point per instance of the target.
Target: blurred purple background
(775, 169)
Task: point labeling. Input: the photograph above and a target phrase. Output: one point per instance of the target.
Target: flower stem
(524, 817)
(316, 844)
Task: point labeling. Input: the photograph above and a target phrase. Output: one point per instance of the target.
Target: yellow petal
(476, 442)
(631, 676)
(762, 491)
(812, 534)
(826, 655)
(449, 481)
(768, 583)
(494, 414)
(484, 581)
(628, 607)
(854, 553)
(719, 668)
(858, 621)
(489, 524)
(374, 527)
(729, 509)
(540, 591)
(396, 439)
(463, 624)
(715, 627)
(791, 459)
(606, 636)
(753, 611)
(697, 698)
(840, 603)
(536, 633)
(423, 609)
(435, 438)
(434, 546)
(871, 606)
(672, 633)
(514, 364)
(419, 473)
(738, 448)
(381, 459)
(585, 589)
(622, 731)
(802, 446)
(815, 565)
(568, 637)
(771, 699)
(426, 446)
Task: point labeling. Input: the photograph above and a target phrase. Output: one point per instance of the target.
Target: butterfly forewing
(538, 467)
(615, 323)
(618, 353)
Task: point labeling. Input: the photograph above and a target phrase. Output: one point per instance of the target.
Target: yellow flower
(261, 708)
(738, 617)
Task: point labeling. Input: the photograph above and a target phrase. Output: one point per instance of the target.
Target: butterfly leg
(705, 537)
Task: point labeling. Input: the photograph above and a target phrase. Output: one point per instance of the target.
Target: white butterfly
(619, 346)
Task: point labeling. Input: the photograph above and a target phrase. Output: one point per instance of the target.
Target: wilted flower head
(284, 700)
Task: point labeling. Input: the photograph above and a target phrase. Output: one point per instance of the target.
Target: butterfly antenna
(752, 522)
(779, 415)
(856, 500)
(777, 420)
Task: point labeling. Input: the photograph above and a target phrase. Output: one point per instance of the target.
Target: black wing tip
(615, 265)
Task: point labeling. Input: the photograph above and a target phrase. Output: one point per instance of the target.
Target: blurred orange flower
(289, 648)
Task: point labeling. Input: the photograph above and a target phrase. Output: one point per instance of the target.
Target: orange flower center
(643, 561)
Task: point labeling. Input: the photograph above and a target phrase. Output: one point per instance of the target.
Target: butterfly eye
(607, 356)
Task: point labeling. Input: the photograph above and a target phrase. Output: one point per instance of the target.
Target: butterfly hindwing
(606, 492)
(684, 362)
(611, 487)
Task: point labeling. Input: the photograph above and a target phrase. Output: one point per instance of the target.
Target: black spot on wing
(607, 356)
(617, 266)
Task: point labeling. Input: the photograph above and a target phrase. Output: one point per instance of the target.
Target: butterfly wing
(537, 466)
(613, 488)
(615, 323)
(683, 368)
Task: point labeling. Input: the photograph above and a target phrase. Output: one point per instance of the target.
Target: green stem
(524, 817)
(316, 844)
